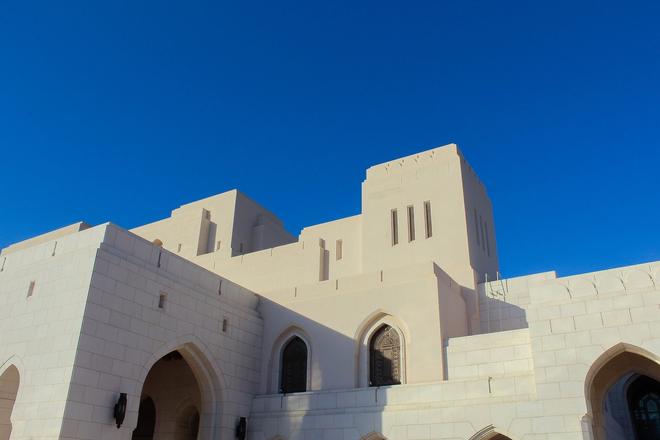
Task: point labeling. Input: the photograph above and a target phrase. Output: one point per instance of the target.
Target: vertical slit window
(487, 239)
(428, 223)
(161, 300)
(31, 289)
(411, 223)
(476, 227)
(483, 234)
(339, 251)
(395, 227)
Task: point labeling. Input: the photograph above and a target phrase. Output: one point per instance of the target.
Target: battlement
(407, 163)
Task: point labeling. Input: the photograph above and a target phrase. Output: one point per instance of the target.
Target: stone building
(391, 324)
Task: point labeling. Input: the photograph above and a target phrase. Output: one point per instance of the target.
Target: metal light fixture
(120, 409)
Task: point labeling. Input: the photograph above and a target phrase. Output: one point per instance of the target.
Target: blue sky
(124, 110)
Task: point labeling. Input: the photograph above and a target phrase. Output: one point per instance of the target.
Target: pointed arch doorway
(9, 383)
(173, 402)
(623, 394)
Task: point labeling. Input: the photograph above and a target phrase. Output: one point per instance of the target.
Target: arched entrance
(489, 433)
(9, 381)
(170, 402)
(623, 395)
(146, 420)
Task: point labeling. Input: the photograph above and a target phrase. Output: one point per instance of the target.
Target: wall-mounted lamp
(120, 409)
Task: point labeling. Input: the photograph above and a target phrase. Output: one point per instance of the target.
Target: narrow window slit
(30, 291)
(395, 227)
(476, 227)
(427, 219)
(411, 223)
(161, 300)
(487, 239)
(483, 233)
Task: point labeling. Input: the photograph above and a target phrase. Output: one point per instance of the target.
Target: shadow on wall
(352, 412)
(296, 414)
(497, 314)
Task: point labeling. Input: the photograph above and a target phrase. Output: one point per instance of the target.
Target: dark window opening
(395, 227)
(644, 404)
(427, 219)
(411, 223)
(294, 367)
(385, 357)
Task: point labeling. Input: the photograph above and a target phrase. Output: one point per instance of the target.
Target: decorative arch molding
(209, 378)
(275, 361)
(11, 376)
(373, 436)
(610, 354)
(609, 368)
(490, 433)
(14, 361)
(365, 331)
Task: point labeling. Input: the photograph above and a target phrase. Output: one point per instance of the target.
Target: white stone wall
(491, 355)
(444, 410)
(92, 328)
(503, 303)
(39, 333)
(528, 384)
(125, 332)
(574, 322)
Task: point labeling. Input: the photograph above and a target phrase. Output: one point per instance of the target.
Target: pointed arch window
(294, 367)
(385, 357)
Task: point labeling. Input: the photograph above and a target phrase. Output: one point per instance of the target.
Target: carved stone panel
(385, 357)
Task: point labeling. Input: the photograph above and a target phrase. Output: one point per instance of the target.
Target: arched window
(644, 405)
(385, 357)
(294, 367)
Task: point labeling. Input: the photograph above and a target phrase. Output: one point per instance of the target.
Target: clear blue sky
(124, 110)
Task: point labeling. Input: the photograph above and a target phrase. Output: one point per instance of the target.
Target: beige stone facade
(390, 324)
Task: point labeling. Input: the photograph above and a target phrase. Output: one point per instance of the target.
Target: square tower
(429, 206)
